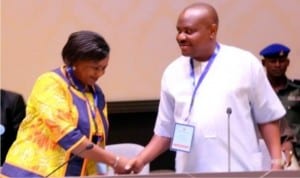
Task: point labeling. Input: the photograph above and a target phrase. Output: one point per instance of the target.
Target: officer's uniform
(289, 95)
(290, 98)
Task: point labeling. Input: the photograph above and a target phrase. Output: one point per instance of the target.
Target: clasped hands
(287, 150)
(128, 166)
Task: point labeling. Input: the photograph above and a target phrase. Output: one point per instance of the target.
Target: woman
(65, 128)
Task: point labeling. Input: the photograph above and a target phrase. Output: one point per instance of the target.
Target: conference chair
(128, 150)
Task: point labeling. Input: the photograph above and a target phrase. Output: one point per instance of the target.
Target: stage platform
(260, 174)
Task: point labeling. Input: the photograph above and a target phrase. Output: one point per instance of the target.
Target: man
(12, 114)
(276, 62)
(211, 98)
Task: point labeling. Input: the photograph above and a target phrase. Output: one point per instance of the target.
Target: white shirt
(236, 80)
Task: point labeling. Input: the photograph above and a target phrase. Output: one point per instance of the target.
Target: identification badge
(183, 137)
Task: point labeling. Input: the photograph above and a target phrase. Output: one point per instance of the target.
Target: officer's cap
(275, 51)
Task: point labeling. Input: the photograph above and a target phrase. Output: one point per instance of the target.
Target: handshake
(123, 165)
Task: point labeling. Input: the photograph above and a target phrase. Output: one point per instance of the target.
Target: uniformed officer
(276, 62)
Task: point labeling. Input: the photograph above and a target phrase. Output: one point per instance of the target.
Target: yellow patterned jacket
(58, 118)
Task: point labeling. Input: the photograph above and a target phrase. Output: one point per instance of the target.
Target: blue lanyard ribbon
(76, 83)
(79, 86)
(202, 76)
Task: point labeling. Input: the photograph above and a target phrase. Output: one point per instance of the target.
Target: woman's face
(89, 71)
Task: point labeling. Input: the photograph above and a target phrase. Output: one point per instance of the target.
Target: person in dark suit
(12, 113)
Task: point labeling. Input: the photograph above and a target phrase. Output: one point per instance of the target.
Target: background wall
(141, 34)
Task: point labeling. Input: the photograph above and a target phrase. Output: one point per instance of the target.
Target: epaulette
(295, 83)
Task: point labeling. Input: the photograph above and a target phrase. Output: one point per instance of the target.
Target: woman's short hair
(85, 45)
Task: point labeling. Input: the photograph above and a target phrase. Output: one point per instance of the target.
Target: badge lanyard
(75, 83)
(184, 133)
(202, 76)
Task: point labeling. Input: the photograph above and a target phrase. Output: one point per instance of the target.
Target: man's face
(276, 67)
(195, 34)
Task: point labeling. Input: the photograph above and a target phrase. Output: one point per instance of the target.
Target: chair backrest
(128, 150)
